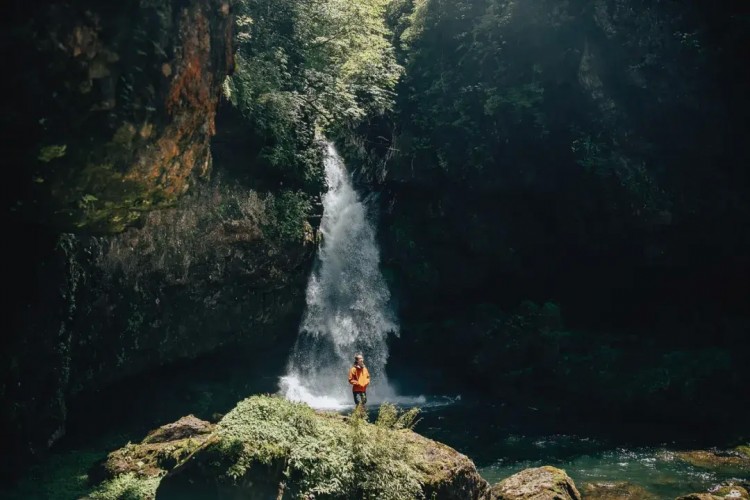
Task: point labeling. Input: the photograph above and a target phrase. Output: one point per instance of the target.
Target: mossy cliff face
(133, 256)
(115, 106)
(213, 271)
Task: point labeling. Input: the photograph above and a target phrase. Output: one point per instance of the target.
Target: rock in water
(268, 447)
(712, 459)
(541, 483)
(620, 490)
(725, 492)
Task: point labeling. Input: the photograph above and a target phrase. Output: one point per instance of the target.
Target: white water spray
(348, 308)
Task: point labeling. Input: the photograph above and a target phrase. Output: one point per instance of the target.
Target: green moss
(731, 491)
(124, 135)
(744, 450)
(117, 204)
(324, 454)
(288, 213)
(126, 487)
(52, 152)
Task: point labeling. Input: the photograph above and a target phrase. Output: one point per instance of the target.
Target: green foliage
(126, 487)
(519, 98)
(385, 462)
(603, 158)
(390, 418)
(52, 152)
(323, 454)
(591, 153)
(461, 95)
(304, 66)
(288, 213)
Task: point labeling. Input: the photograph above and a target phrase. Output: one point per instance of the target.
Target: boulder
(619, 490)
(716, 459)
(732, 490)
(541, 483)
(186, 427)
(723, 492)
(159, 452)
(268, 447)
(446, 474)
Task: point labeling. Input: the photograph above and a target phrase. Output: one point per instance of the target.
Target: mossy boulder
(732, 491)
(268, 447)
(716, 459)
(618, 490)
(541, 483)
(727, 491)
(158, 453)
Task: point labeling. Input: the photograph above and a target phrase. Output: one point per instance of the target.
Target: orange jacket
(359, 378)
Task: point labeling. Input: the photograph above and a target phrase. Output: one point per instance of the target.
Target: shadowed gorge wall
(129, 255)
(563, 186)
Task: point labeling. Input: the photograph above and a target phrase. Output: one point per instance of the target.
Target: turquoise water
(658, 470)
(504, 440)
(501, 439)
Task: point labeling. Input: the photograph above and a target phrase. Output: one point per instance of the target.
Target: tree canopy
(303, 66)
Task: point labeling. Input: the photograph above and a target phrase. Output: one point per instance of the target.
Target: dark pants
(360, 398)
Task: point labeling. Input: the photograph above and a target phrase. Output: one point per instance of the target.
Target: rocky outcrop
(619, 490)
(716, 459)
(724, 492)
(735, 461)
(541, 483)
(207, 273)
(446, 474)
(271, 448)
(158, 453)
(124, 103)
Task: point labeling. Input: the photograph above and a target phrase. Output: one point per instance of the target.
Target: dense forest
(558, 193)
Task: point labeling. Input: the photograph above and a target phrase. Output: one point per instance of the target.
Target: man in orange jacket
(359, 378)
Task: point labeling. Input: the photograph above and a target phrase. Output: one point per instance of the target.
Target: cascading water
(348, 307)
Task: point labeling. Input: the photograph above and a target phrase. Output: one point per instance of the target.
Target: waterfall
(347, 308)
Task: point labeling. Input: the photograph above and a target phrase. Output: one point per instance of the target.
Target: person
(359, 378)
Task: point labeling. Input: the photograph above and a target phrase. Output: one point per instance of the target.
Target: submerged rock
(620, 490)
(732, 491)
(726, 491)
(541, 483)
(713, 459)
